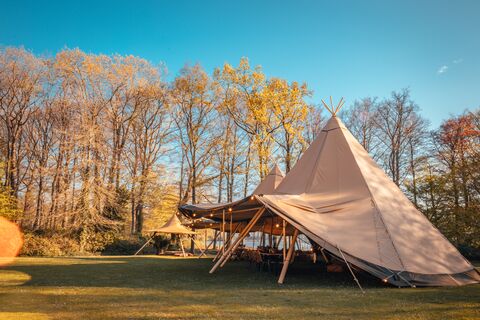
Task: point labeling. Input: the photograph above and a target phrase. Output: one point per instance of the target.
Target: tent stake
(286, 262)
(351, 271)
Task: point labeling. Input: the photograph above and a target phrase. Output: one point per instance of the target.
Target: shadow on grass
(149, 287)
(178, 273)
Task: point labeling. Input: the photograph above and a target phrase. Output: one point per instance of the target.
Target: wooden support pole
(145, 244)
(270, 240)
(240, 239)
(324, 255)
(206, 240)
(181, 245)
(284, 227)
(202, 252)
(223, 230)
(286, 262)
(326, 106)
(225, 245)
(215, 238)
(242, 235)
(231, 227)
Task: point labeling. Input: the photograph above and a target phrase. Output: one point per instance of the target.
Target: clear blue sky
(341, 48)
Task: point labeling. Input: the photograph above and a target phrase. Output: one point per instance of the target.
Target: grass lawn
(152, 287)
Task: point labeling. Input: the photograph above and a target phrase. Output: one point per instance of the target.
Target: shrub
(35, 245)
(47, 245)
(93, 242)
(127, 246)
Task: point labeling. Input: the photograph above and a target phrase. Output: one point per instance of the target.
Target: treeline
(92, 144)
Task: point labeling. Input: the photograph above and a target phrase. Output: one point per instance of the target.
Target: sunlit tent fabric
(341, 199)
(270, 182)
(174, 226)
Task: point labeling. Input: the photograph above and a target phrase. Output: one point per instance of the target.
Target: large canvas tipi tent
(342, 200)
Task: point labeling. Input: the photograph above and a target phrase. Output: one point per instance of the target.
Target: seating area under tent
(344, 206)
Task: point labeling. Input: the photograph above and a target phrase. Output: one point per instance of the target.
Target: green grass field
(152, 287)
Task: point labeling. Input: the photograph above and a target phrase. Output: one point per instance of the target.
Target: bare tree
(194, 99)
(397, 121)
(21, 75)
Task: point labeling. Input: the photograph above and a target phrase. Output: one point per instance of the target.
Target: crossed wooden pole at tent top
(332, 109)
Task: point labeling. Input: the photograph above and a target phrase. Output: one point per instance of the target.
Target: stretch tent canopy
(238, 211)
(341, 199)
(173, 225)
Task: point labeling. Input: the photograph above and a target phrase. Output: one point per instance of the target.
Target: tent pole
(145, 244)
(284, 226)
(326, 106)
(214, 240)
(286, 262)
(270, 238)
(351, 271)
(225, 244)
(206, 240)
(324, 255)
(242, 235)
(240, 239)
(181, 244)
(231, 227)
(223, 230)
(202, 252)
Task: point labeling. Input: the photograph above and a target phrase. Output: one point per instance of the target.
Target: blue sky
(340, 48)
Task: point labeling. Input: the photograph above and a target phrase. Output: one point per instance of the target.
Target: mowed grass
(151, 287)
